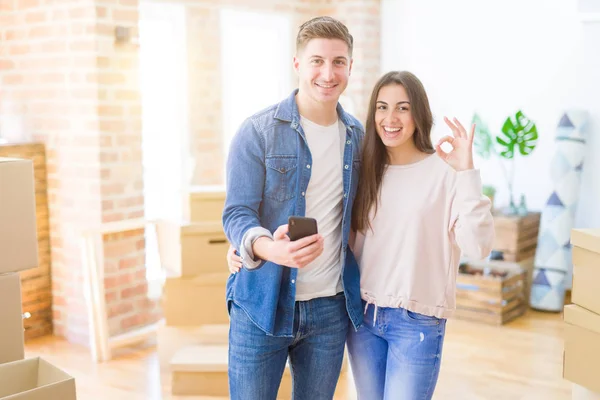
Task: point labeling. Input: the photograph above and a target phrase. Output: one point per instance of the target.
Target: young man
(299, 157)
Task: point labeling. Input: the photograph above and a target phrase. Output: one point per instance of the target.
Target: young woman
(418, 209)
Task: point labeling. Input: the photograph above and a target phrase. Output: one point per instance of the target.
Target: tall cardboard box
(35, 379)
(190, 249)
(18, 232)
(586, 268)
(204, 203)
(581, 362)
(196, 300)
(11, 319)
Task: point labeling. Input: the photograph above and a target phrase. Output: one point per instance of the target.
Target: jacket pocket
(280, 183)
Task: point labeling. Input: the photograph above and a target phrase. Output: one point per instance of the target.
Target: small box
(195, 301)
(11, 318)
(204, 203)
(582, 347)
(35, 379)
(170, 339)
(18, 230)
(586, 268)
(190, 249)
(202, 371)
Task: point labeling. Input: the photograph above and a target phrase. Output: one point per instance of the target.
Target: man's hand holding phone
(283, 251)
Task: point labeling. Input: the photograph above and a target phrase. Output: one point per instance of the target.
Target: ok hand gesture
(461, 156)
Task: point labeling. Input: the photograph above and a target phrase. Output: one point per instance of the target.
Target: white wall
(495, 58)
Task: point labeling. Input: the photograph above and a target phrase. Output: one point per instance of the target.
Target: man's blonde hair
(323, 28)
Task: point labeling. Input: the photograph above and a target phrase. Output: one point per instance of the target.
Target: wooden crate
(491, 293)
(36, 285)
(516, 236)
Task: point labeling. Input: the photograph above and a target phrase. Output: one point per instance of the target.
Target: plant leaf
(482, 142)
(519, 131)
(527, 139)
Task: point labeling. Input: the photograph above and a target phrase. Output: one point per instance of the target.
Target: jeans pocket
(280, 180)
(421, 319)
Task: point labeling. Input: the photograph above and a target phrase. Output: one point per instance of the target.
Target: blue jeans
(396, 355)
(316, 351)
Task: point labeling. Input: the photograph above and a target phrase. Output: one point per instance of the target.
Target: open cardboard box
(35, 379)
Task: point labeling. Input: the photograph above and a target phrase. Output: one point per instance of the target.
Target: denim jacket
(266, 183)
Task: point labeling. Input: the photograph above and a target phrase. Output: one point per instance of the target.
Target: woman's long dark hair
(374, 154)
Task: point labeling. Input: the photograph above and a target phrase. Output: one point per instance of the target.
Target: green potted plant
(518, 137)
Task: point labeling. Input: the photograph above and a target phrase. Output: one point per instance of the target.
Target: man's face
(323, 68)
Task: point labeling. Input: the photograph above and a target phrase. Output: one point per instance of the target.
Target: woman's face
(393, 118)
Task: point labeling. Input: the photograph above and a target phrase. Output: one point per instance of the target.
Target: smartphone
(300, 227)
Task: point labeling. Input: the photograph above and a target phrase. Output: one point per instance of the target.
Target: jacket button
(346, 166)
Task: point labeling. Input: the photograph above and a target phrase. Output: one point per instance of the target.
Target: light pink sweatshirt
(428, 216)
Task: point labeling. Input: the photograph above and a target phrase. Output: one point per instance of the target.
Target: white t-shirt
(324, 202)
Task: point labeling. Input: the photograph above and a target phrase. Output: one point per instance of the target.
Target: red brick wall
(47, 55)
(121, 173)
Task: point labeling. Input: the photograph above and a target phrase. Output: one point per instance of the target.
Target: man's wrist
(261, 247)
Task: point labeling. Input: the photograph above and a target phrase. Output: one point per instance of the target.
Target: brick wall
(47, 55)
(64, 81)
(121, 172)
(36, 288)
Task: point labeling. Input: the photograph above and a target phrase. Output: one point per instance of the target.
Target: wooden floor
(520, 360)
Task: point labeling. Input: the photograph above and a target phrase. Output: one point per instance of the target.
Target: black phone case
(300, 227)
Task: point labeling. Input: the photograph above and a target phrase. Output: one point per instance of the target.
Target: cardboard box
(586, 268)
(35, 379)
(190, 249)
(202, 371)
(18, 231)
(204, 203)
(582, 347)
(11, 318)
(171, 339)
(195, 301)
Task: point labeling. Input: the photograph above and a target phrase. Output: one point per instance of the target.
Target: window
(256, 65)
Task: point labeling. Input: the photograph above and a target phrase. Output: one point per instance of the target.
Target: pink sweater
(428, 216)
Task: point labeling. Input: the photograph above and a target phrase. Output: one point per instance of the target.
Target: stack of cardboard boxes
(34, 378)
(582, 318)
(195, 328)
